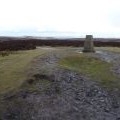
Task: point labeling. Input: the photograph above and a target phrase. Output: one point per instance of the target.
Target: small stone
(102, 100)
(118, 118)
(106, 110)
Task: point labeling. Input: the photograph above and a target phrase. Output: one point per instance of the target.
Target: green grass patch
(13, 68)
(92, 67)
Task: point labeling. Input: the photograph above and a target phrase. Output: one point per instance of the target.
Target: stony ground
(62, 94)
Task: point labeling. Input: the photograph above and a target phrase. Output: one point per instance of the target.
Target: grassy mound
(92, 67)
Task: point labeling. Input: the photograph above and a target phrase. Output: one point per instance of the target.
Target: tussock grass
(92, 67)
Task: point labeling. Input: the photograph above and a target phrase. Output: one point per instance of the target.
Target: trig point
(88, 44)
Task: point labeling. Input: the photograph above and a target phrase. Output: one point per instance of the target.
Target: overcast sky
(99, 17)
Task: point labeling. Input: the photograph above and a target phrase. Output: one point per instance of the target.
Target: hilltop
(60, 83)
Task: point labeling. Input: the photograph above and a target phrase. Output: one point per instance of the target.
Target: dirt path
(67, 95)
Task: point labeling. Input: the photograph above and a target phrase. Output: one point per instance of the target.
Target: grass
(92, 67)
(13, 68)
(111, 49)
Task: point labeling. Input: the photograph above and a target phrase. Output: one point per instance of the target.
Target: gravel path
(110, 57)
(69, 95)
